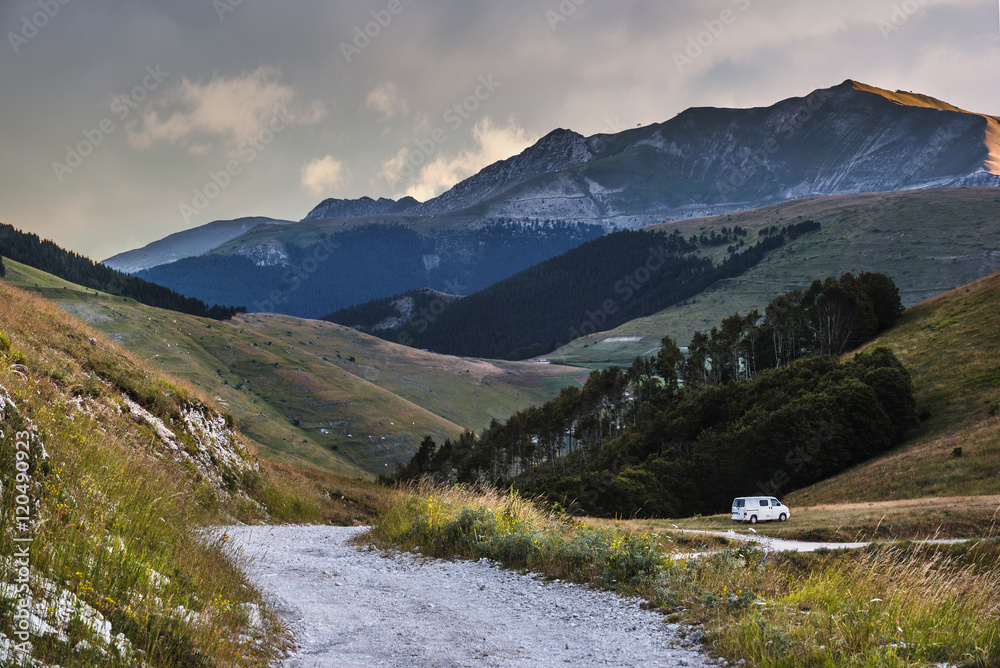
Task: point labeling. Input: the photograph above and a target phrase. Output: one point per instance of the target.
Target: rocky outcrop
(356, 208)
(204, 440)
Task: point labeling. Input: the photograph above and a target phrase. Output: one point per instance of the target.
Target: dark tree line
(594, 287)
(46, 256)
(793, 231)
(744, 412)
(720, 237)
(372, 316)
(830, 318)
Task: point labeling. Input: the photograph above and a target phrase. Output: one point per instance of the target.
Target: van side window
(763, 502)
(775, 502)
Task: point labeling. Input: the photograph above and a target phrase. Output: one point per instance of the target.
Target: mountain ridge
(907, 98)
(527, 176)
(187, 243)
(357, 208)
(851, 138)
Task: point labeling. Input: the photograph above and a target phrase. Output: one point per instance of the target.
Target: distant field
(928, 241)
(311, 391)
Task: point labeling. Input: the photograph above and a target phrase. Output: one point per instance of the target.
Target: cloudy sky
(123, 121)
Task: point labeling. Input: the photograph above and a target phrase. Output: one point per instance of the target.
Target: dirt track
(353, 608)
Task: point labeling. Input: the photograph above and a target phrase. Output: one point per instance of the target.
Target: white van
(755, 509)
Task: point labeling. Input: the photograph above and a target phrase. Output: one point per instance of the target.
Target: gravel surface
(769, 544)
(350, 607)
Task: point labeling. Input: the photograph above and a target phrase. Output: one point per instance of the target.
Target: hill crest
(910, 99)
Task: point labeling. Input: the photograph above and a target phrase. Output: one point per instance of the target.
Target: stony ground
(359, 607)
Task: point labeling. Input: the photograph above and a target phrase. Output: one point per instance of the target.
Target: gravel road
(351, 607)
(769, 544)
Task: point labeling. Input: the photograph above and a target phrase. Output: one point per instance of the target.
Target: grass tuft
(476, 523)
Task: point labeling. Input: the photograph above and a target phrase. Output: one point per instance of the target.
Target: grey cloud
(605, 63)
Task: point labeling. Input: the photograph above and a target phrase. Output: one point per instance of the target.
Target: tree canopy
(758, 405)
(45, 255)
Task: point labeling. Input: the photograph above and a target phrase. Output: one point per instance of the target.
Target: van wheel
(783, 517)
(753, 519)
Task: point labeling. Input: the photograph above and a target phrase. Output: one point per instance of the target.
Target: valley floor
(358, 607)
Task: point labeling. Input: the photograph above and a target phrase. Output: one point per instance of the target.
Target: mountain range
(568, 189)
(269, 418)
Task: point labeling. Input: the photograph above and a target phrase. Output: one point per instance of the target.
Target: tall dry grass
(896, 605)
(480, 522)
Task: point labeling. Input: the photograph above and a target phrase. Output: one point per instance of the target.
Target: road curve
(359, 608)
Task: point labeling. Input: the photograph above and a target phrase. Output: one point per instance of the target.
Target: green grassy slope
(115, 494)
(928, 241)
(950, 345)
(310, 391)
(124, 470)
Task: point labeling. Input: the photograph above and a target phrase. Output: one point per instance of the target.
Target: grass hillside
(313, 392)
(47, 256)
(109, 472)
(949, 344)
(927, 241)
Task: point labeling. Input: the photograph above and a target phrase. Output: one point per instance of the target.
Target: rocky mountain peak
(365, 206)
(558, 150)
